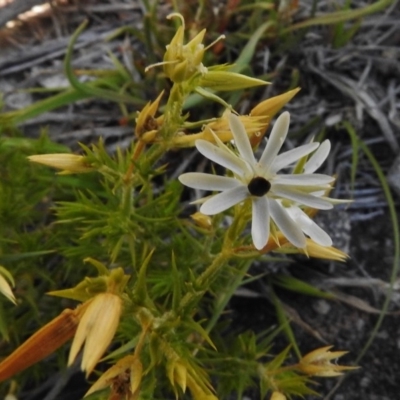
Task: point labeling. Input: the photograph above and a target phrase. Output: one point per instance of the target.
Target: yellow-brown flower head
(146, 121)
(318, 363)
(182, 61)
(220, 128)
(96, 328)
(123, 377)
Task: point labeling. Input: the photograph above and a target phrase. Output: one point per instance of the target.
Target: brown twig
(12, 10)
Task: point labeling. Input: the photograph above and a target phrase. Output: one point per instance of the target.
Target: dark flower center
(259, 186)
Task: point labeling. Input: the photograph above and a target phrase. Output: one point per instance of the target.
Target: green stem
(226, 295)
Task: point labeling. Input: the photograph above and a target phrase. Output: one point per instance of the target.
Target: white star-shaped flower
(273, 195)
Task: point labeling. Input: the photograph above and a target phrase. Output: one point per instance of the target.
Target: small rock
(18, 99)
(322, 307)
(53, 81)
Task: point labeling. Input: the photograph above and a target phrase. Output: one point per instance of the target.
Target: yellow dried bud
(177, 373)
(5, 287)
(318, 363)
(96, 328)
(145, 120)
(202, 220)
(278, 396)
(316, 250)
(220, 128)
(226, 80)
(269, 107)
(124, 377)
(279, 242)
(68, 163)
(199, 392)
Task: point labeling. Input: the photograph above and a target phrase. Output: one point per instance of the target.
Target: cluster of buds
(182, 61)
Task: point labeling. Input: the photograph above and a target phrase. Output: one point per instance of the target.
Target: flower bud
(68, 163)
(318, 363)
(5, 287)
(277, 396)
(202, 220)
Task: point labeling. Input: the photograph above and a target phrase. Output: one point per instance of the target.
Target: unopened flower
(270, 192)
(280, 242)
(277, 396)
(202, 220)
(318, 363)
(177, 374)
(5, 284)
(68, 163)
(267, 109)
(96, 329)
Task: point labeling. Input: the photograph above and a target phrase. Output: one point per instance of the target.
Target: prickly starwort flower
(96, 328)
(318, 363)
(271, 193)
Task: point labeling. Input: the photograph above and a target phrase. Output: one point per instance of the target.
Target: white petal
(289, 157)
(242, 141)
(301, 197)
(260, 222)
(286, 224)
(337, 201)
(222, 201)
(275, 141)
(199, 180)
(309, 227)
(303, 179)
(317, 234)
(222, 157)
(318, 157)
